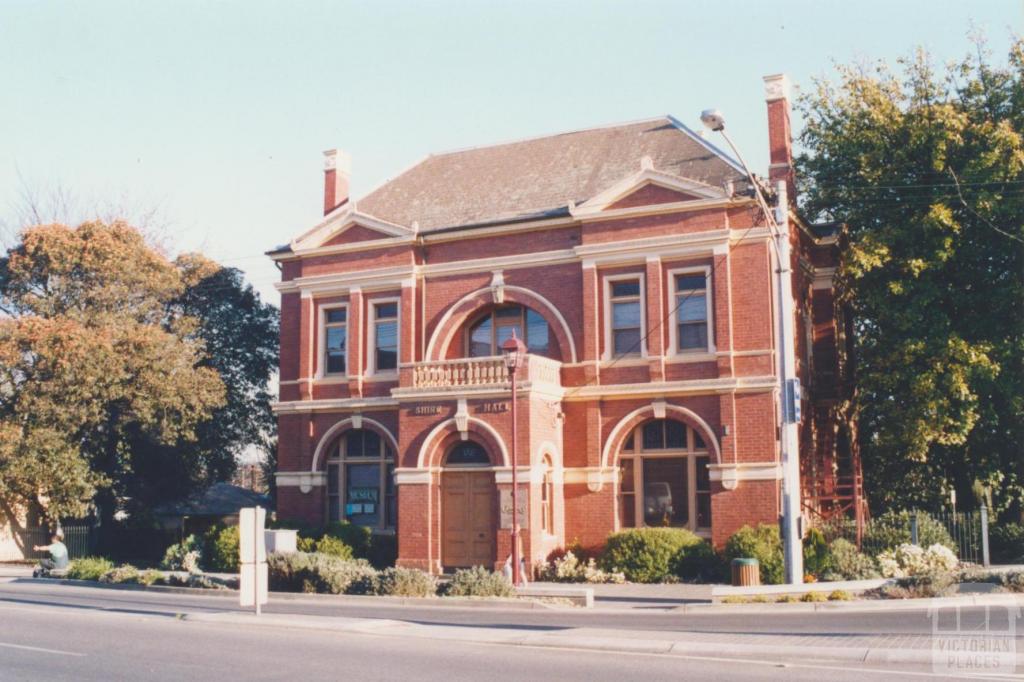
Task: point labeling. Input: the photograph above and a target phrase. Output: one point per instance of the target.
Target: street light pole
(789, 387)
(514, 351)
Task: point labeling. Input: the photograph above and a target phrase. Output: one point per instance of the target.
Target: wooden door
(467, 518)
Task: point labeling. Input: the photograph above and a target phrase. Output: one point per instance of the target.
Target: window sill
(332, 379)
(625, 361)
(382, 376)
(695, 356)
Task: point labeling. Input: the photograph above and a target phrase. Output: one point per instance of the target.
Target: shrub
(195, 580)
(1007, 543)
(839, 595)
(220, 549)
(285, 571)
(645, 555)
(847, 563)
(892, 529)
(761, 543)
(89, 568)
(304, 544)
(787, 599)
(569, 569)
(125, 573)
(383, 550)
(184, 556)
(918, 587)
(322, 573)
(332, 546)
(735, 599)
(814, 597)
(912, 560)
(817, 557)
(398, 582)
(479, 582)
(699, 563)
(356, 537)
(151, 577)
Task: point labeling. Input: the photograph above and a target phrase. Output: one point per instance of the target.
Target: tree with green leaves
(925, 171)
(119, 384)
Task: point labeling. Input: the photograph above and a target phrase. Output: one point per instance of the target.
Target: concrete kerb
(525, 603)
(582, 640)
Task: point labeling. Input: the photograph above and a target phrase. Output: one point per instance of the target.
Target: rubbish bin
(746, 572)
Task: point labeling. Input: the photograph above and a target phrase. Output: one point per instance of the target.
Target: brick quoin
(574, 411)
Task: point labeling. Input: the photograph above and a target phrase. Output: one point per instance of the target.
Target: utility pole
(789, 386)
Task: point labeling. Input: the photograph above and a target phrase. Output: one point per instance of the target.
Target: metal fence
(966, 532)
(80, 540)
(17, 544)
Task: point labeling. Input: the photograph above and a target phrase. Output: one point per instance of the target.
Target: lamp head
(513, 350)
(713, 119)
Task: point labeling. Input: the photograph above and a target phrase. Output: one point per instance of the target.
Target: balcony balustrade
(481, 373)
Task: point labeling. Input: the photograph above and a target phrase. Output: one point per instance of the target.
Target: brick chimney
(337, 171)
(780, 137)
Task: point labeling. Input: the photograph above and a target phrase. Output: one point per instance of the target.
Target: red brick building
(636, 265)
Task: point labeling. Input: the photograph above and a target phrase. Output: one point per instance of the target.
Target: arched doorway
(468, 501)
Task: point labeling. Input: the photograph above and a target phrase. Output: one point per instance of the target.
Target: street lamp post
(514, 351)
(789, 388)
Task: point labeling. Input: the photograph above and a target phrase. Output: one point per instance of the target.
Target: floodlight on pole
(789, 387)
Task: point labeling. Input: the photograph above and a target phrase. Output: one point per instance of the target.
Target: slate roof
(538, 177)
(220, 499)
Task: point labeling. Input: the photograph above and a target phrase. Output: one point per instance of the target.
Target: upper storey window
(497, 326)
(691, 332)
(335, 337)
(385, 336)
(625, 316)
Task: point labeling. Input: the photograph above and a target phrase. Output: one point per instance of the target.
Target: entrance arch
(469, 503)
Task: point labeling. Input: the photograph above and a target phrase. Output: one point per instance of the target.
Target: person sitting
(58, 556)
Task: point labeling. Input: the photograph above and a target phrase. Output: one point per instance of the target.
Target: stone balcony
(478, 375)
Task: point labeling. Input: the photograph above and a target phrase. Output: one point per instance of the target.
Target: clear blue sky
(217, 111)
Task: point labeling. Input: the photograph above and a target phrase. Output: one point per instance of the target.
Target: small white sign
(252, 588)
(252, 551)
(252, 547)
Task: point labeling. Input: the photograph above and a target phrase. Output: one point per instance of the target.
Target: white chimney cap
(339, 160)
(776, 87)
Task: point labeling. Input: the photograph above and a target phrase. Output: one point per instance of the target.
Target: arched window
(360, 480)
(664, 478)
(490, 331)
(547, 498)
(467, 453)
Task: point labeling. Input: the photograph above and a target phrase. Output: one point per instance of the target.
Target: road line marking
(40, 649)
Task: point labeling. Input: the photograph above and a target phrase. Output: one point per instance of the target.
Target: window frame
(673, 331)
(637, 454)
(372, 333)
(496, 350)
(321, 367)
(609, 332)
(386, 465)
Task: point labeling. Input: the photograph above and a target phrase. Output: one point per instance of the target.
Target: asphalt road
(838, 623)
(54, 642)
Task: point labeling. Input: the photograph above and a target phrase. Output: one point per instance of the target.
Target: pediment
(347, 225)
(646, 188)
(652, 193)
(355, 232)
